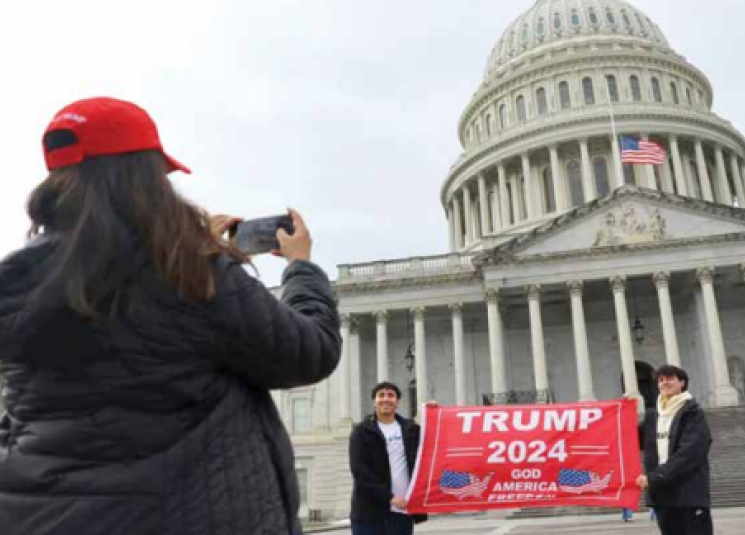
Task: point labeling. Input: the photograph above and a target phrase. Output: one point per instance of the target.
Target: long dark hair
(112, 215)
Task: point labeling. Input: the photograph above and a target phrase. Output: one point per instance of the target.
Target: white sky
(344, 109)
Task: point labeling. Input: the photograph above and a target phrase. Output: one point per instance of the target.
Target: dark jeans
(684, 521)
(392, 524)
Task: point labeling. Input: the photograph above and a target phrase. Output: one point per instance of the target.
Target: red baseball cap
(100, 127)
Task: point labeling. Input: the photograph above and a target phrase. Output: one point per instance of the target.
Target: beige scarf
(666, 411)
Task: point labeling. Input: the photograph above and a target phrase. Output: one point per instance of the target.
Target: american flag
(639, 151)
(581, 481)
(463, 485)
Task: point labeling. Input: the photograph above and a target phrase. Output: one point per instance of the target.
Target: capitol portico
(570, 275)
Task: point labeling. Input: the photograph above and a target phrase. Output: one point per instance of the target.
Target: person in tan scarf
(676, 441)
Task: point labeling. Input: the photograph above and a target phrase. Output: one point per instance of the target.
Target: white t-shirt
(394, 441)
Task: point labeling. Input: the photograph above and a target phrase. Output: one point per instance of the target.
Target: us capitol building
(570, 275)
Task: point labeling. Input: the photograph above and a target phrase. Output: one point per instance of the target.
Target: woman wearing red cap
(138, 355)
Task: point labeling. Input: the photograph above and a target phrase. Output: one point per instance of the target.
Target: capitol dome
(552, 22)
(541, 134)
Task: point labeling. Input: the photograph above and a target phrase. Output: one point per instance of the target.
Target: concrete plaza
(726, 522)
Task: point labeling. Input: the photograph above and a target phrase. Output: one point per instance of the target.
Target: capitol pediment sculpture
(625, 226)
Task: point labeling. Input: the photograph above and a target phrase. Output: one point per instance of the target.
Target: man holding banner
(676, 442)
(382, 453)
(574, 454)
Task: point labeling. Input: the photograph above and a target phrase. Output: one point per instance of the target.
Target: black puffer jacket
(160, 422)
(683, 481)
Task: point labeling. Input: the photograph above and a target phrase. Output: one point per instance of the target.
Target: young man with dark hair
(676, 441)
(382, 454)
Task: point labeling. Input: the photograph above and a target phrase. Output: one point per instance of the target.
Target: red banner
(572, 454)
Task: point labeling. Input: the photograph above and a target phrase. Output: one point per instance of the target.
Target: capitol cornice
(414, 283)
(505, 146)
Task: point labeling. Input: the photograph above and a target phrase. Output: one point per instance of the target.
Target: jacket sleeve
(277, 344)
(366, 480)
(693, 450)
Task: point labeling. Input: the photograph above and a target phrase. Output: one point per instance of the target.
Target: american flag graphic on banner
(635, 151)
(581, 481)
(463, 485)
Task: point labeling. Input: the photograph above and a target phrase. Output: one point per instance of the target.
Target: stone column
(560, 191)
(504, 198)
(470, 238)
(355, 371)
(725, 192)
(451, 228)
(667, 177)
(617, 164)
(650, 180)
(381, 323)
(483, 206)
(662, 283)
(703, 173)
(589, 186)
(628, 364)
(420, 345)
(345, 398)
(496, 217)
(581, 349)
(530, 189)
(496, 344)
(735, 164)
(458, 223)
(536, 339)
(516, 208)
(459, 360)
(725, 394)
(680, 177)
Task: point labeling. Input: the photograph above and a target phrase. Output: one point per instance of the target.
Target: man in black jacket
(382, 454)
(676, 442)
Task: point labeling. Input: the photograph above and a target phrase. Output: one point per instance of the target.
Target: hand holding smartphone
(257, 236)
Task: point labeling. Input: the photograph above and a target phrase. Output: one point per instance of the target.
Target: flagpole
(616, 157)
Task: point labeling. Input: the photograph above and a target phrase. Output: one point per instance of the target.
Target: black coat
(371, 470)
(683, 481)
(159, 422)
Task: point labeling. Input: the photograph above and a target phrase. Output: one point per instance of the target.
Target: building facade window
(636, 90)
(549, 201)
(612, 87)
(574, 173)
(522, 111)
(593, 16)
(609, 16)
(478, 132)
(656, 90)
(689, 97)
(487, 122)
(564, 96)
(557, 22)
(627, 21)
(589, 91)
(602, 182)
(541, 28)
(575, 18)
(542, 101)
(674, 93)
(300, 415)
(503, 116)
(526, 34)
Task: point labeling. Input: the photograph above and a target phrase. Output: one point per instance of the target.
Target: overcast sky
(344, 109)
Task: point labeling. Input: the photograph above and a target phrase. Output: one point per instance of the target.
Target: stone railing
(519, 397)
(406, 267)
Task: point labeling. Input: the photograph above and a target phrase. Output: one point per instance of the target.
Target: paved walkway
(726, 522)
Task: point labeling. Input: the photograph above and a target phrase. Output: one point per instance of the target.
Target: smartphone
(257, 236)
